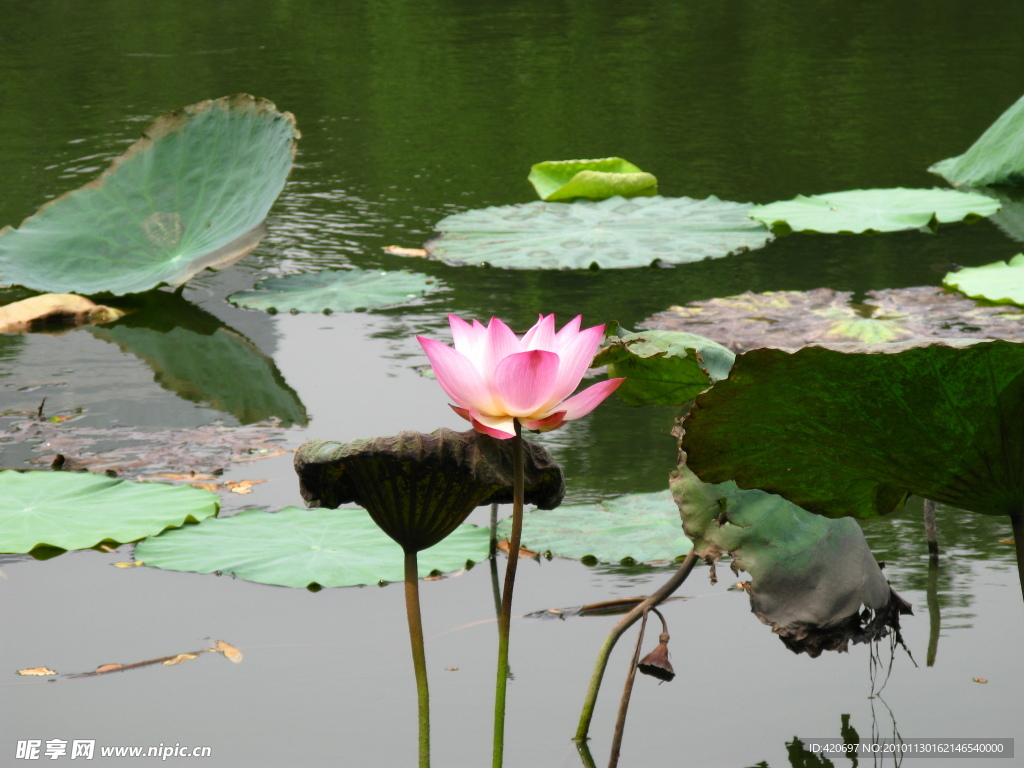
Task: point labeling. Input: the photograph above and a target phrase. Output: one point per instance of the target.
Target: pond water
(409, 112)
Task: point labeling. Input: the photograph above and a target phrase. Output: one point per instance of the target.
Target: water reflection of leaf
(196, 356)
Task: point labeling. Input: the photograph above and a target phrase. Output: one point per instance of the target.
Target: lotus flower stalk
(501, 383)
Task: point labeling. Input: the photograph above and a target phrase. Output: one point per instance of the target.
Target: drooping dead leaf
(54, 310)
(229, 651)
(503, 545)
(398, 250)
(37, 672)
(798, 318)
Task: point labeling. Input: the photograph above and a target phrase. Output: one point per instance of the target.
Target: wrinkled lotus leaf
(418, 487)
(78, 510)
(810, 577)
(997, 157)
(218, 367)
(562, 180)
(854, 432)
(304, 548)
(874, 210)
(350, 290)
(799, 318)
(664, 367)
(1001, 282)
(640, 527)
(54, 310)
(613, 233)
(192, 193)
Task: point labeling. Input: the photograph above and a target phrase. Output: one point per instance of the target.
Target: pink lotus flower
(494, 377)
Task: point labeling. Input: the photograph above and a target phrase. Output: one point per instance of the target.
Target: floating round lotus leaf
(564, 180)
(1000, 282)
(417, 487)
(613, 233)
(810, 576)
(664, 367)
(798, 318)
(997, 157)
(855, 432)
(191, 194)
(874, 210)
(303, 548)
(350, 290)
(78, 510)
(640, 527)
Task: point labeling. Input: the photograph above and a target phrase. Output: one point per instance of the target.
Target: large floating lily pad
(664, 367)
(350, 290)
(799, 318)
(78, 510)
(810, 577)
(874, 210)
(640, 527)
(855, 432)
(563, 180)
(1000, 282)
(613, 233)
(997, 157)
(191, 194)
(304, 547)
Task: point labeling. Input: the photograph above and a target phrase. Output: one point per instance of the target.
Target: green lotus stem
(1017, 520)
(625, 623)
(627, 691)
(419, 658)
(934, 615)
(505, 619)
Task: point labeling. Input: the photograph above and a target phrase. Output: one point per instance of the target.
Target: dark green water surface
(410, 111)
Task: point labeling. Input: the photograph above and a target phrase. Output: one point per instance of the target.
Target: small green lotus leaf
(350, 290)
(612, 233)
(798, 318)
(854, 429)
(419, 487)
(997, 157)
(78, 510)
(664, 367)
(191, 194)
(640, 527)
(1001, 282)
(810, 576)
(304, 547)
(875, 210)
(563, 180)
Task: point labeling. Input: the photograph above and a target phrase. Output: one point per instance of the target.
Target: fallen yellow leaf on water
(181, 657)
(523, 551)
(205, 486)
(398, 250)
(241, 486)
(1007, 541)
(979, 679)
(133, 564)
(37, 671)
(451, 669)
(229, 651)
(107, 668)
(52, 309)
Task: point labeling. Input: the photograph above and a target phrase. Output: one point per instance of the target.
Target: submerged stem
(625, 623)
(419, 658)
(505, 619)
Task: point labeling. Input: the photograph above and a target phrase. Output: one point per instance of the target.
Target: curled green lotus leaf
(350, 290)
(78, 510)
(874, 210)
(997, 157)
(638, 528)
(563, 180)
(616, 233)
(191, 194)
(1001, 282)
(810, 577)
(664, 367)
(419, 487)
(304, 548)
